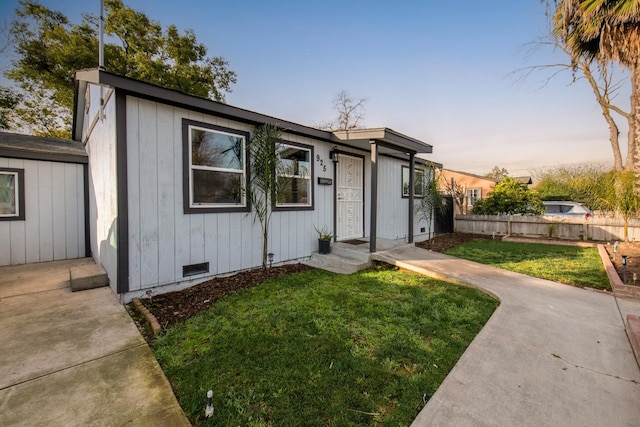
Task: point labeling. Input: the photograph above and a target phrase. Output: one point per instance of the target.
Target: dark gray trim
(123, 194)
(21, 195)
(415, 169)
(186, 169)
(311, 149)
(373, 233)
(29, 147)
(49, 157)
(182, 100)
(412, 190)
(87, 228)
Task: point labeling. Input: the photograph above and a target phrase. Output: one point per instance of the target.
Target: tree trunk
(603, 101)
(614, 133)
(634, 120)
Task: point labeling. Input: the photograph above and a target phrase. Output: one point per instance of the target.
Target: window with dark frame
(217, 168)
(294, 174)
(419, 182)
(11, 194)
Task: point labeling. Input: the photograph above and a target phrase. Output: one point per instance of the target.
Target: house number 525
(321, 161)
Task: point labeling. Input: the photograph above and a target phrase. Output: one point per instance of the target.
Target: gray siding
(103, 198)
(53, 228)
(162, 239)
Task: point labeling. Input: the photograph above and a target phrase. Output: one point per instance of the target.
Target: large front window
(294, 175)
(217, 167)
(11, 194)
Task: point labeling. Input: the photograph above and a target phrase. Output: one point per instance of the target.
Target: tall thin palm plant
(264, 184)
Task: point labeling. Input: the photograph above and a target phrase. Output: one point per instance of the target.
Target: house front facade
(166, 173)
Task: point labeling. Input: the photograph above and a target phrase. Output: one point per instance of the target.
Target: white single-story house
(43, 198)
(162, 171)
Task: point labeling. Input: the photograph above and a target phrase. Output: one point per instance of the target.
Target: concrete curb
(150, 318)
(617, 286)
(633, 332)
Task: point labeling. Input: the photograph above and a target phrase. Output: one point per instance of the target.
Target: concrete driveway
(551, 354)
(74, 359)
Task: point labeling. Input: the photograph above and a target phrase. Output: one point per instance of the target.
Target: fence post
(509, 225)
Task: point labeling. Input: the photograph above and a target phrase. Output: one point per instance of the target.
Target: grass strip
(573, 265)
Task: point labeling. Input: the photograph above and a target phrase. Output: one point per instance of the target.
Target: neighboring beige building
(469, 187)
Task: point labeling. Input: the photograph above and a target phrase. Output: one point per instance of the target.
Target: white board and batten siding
(393, 209)
(54, 224)
(163, 239)
(100, 143)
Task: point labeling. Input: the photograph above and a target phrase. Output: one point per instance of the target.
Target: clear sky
(438, 71)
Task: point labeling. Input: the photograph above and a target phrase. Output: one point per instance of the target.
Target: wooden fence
(600, 229)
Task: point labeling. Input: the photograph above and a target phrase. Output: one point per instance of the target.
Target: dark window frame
(20, 192)
(187, 168)
(312, 189)
(416, 170)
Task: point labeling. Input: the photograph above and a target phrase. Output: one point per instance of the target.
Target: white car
(567, 209)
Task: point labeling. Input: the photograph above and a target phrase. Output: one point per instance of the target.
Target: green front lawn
(316, 348)
(565, 264)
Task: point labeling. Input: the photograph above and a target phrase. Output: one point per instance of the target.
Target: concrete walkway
(551, 354)
(74, 359)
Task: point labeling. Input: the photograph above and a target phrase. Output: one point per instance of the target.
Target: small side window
(11, 194)
(419, 182)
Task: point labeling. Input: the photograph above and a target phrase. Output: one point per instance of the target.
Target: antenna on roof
(101, 114)
(101, 43)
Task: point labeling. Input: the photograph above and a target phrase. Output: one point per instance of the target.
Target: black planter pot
(324, 246)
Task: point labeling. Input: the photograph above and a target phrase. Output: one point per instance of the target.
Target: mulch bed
(178, 306)
(632, 251)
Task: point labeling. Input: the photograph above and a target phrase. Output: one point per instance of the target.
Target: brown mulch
(176, 307)
(632, 251)
(443, 242)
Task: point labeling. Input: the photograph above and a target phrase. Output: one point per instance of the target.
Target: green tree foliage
(497, 173)
(50, 49)
(8, 101)
(621, 196)
(509, 197)
(583, 183)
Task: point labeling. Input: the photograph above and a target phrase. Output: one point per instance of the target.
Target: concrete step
(340, 261)
(89, 276)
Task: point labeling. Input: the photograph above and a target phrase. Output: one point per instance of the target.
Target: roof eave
(386, 135)
(180, 99)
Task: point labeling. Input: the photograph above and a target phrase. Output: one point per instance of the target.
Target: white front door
(349, 196)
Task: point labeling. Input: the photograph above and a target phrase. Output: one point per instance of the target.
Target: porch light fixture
(615, 248)
(624, 269)
(333, 154)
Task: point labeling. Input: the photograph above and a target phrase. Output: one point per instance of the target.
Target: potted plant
(324, 240)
